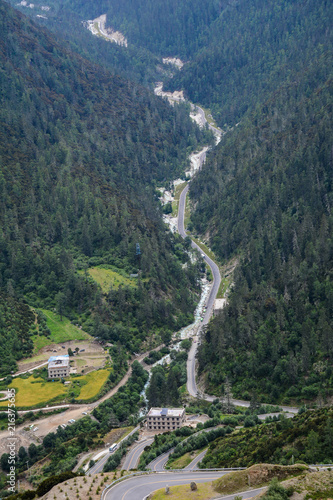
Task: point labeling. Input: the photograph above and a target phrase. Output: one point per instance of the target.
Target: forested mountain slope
(165, 27)
(81, 152)
(67, 21)
(251, 48)
(153, 29)
(266, 195)
(307, 437)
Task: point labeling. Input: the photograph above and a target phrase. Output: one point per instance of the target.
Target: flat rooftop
(165, 412)
(58, 361)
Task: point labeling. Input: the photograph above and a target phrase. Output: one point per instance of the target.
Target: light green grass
(224, 285)
(61, 331)
(35, 391)
(184, 460)
(94, 382)
(108, 278)
(80, 362)
(33, 359)
(205, 491)
(181, 462)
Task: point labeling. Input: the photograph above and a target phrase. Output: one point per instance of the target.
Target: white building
(165, 419)
(58, 366)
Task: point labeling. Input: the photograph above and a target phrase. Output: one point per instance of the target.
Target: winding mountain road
(133, 457)
(194, 464)
(191, 368)
(191, 383)
(139, 487)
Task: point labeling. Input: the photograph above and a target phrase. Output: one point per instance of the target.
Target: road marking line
(170, 481)
(138, 447)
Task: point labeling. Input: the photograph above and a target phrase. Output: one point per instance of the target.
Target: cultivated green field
(39, 392)
(35, 391)
(61, 331)
(108, 278)
(94, 382)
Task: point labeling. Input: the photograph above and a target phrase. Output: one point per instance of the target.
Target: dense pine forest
(266, 196)
(164, 28)
(153, 30)
(308, 438)
(250, 50)
(85, 147)
(81, 154)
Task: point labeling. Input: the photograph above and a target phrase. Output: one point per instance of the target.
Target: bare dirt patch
(51, 424)
(91, 349)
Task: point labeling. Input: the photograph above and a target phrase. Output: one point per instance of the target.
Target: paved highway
(194, 464)
(98, 467)
(191, 382)
(133, 456)
(138, 487)
(218, 132)
(159, 463)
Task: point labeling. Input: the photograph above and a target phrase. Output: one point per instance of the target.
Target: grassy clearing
(33, 359)
(181, 462)
(185, 459)
(35, 391)
(93, 383)
(205, 491)
(108, 278)
(224, 285)
(61, 331)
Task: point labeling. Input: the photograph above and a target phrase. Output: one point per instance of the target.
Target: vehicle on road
(113, 447)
